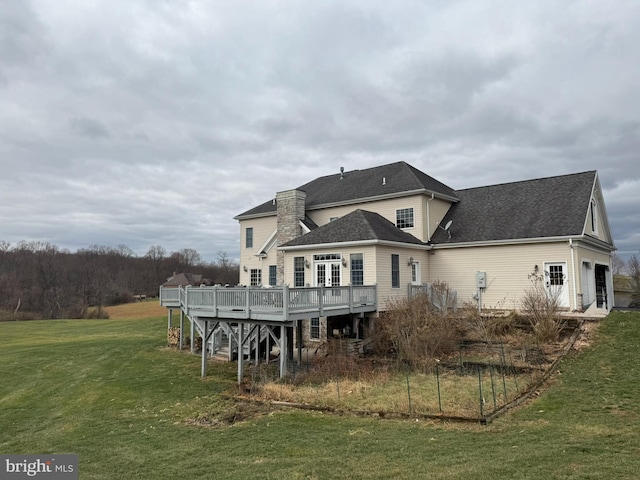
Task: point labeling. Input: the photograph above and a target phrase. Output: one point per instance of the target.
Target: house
(394, 226)
(185, 278)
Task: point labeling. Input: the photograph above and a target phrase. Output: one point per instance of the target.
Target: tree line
(40, 280)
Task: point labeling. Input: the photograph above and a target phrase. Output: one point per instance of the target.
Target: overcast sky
(155, 122)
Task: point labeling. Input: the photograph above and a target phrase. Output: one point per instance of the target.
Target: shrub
(542, 307)
(416, 332)
(96, 313)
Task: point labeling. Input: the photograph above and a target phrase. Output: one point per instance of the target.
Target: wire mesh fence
(480, 381)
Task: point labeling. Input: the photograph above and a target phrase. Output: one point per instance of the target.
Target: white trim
(573, 272)
(305, 229)
(266, 246)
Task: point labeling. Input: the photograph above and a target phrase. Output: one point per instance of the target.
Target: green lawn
(108, 391)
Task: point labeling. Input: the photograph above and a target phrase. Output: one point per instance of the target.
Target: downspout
(429, 218)
(573, 269)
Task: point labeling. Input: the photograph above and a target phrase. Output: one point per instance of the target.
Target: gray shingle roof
(182, 279)
(544, 207)
(394, 178)
(359, 225)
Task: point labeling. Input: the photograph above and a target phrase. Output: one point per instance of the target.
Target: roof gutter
(522, 241)
(359, 243)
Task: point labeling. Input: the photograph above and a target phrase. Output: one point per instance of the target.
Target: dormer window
(404, 218)
(594, 216)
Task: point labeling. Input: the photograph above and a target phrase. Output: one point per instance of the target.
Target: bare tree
(185, 259)
(633, 268)
(617, 264)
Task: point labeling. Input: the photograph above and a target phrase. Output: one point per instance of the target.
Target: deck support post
(257, 350)
(169, 314)
(267, 352)
(230, 337)
(192, 334)
(203, 368)
(283, 351)
(240, 351)
(299, 340)
(181, 328)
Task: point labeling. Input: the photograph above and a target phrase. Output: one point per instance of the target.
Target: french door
(328, 274)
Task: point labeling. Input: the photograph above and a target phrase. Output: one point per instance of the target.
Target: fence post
(408, 390)
(438, 382)
(493, 388)
(481, 396)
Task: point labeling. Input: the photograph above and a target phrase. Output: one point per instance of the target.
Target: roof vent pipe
(341, 173)
(384, 180)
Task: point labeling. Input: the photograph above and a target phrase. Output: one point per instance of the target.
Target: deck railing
(275, 304)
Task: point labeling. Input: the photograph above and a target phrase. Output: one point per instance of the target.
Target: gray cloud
(145, 123)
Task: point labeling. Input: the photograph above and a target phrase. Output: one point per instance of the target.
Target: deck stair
(219, 344)
(259, 316)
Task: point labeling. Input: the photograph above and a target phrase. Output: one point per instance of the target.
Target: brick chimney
(290, 208)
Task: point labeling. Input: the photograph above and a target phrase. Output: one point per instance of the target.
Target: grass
(109, 391)
(397, 393)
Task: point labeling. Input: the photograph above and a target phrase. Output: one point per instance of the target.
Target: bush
(542, 308)
(96, 313)
(416, 332)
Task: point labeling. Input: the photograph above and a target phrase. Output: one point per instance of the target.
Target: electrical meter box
(481, 279)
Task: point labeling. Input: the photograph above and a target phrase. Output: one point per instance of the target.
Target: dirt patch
(586, 337)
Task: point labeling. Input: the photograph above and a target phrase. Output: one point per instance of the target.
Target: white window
(256, 277)
(395, 270)
(314, 329)
(404, 218)
(594, 216)
(298, 271)
(249, 237)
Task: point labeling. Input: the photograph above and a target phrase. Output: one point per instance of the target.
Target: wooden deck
(269, 305)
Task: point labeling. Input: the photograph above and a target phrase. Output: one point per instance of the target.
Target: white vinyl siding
(262, 230)
(386, 292)
(386, 208)
(369, 266)
(433, 211)
(507, 268)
